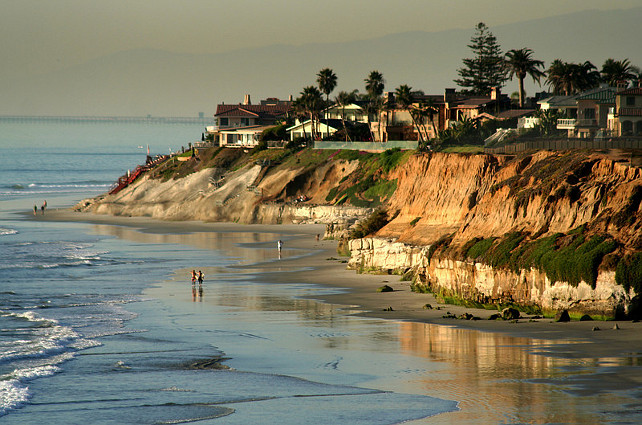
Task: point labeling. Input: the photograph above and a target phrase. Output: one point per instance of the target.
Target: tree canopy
(519, 63)
(485, 69)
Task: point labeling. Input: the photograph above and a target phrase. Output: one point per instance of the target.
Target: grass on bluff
(368, 186)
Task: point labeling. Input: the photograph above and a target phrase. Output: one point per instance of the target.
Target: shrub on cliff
(371, 224)
(629, 272)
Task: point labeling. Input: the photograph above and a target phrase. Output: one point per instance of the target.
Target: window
(224, 121)
(589, 114)
(630, 101)
(245, 122)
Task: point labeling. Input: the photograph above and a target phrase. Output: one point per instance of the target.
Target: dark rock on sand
(562, 316)
(510, 313)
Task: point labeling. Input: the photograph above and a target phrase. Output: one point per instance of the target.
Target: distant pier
(106, 119)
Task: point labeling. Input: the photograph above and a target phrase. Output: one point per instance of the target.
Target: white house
(241, 137)
(324, 128)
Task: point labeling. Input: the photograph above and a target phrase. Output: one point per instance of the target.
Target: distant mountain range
(141, 82)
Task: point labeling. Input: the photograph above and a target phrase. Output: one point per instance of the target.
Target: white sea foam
(13, 394)
(4, 231)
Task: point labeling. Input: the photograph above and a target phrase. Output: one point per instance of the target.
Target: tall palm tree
(614, 72)
(344, 99)
(327, 81)
(519, 63)
(375, 84)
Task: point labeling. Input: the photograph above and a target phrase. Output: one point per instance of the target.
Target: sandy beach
(586, 339)
(312, 313)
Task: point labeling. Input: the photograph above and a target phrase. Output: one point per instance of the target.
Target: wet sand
(361, 295)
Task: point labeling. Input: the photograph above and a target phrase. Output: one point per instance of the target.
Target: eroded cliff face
(483, 196)
(452, 197)
(247, 195)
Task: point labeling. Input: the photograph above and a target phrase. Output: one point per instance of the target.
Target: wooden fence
(566, 144)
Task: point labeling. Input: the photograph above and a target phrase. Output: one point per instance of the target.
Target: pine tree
(486, 69)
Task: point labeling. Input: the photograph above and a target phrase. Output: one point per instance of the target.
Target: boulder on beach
(510, 313)
(562, 316)
(385, 288)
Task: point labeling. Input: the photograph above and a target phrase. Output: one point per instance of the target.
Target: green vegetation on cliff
(571, 258)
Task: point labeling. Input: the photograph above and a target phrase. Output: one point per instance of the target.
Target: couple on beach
(200, 276)
(42, 208)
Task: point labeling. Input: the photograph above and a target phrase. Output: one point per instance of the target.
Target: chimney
(290, 98)
(495, 93)
(449, 95)
(247, 100)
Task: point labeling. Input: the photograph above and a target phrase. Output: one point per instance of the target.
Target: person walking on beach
(193, 277)
(279, 245)
(201, 276)
(35, 209)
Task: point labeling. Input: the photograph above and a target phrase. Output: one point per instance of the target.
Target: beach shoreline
(358, 292)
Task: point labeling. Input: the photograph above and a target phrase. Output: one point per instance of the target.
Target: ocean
(100, 324)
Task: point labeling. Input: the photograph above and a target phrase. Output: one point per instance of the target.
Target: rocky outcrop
(484, 284)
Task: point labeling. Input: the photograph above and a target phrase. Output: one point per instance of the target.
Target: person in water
(201, 276)
(193, 277)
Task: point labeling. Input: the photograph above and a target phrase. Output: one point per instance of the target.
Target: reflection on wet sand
(495, 375)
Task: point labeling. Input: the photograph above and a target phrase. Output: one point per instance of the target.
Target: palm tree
(344, 99)
(375, 84)
(327, 81)
(312, 102)
(404, 99)
(614, 72)
(571, 78)
(519, 63)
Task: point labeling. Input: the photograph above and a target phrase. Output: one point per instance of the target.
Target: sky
(40, 36)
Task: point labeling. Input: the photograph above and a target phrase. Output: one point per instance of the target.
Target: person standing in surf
(193, 277)
(201, 276)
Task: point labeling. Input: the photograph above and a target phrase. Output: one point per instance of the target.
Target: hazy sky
(43, 35)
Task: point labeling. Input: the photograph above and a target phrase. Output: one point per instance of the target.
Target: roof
(559, 101)
(238, 112)
(504, 115)
(332, 123)
(601, 95)
(635, 91)
(256, 110)
(471, 102)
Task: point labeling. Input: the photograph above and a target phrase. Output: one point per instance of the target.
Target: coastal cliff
(546, 230)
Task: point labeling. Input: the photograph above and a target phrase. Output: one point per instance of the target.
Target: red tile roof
(256, 110)
(632, 91)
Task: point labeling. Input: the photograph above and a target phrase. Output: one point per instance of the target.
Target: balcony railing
(566, 123)
(586, 123)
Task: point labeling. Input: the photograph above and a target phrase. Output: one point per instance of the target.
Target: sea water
(80, 342)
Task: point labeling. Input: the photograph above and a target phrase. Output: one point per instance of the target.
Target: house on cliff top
(241, 124)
